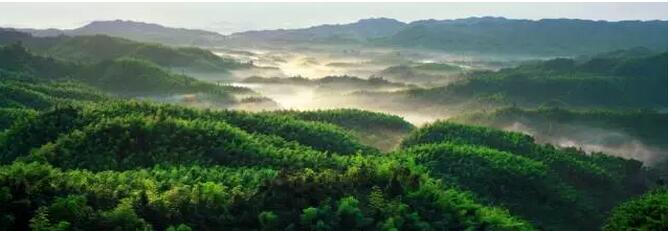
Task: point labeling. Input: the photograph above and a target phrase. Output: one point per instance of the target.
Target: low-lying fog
(314, 62)
(397, 66)
(319, 61)
(594, 139)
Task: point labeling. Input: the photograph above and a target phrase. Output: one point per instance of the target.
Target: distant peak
(120, 22)
(379, 20)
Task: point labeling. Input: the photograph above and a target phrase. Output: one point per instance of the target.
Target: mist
(292, 77)
(593, 139)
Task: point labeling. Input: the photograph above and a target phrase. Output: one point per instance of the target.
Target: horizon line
(9, 26)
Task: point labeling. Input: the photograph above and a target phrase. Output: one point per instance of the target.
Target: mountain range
(541, 37)
(360, 31)
(140, 31)
(486, 35)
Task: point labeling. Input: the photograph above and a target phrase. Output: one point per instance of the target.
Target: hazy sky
(234, 17)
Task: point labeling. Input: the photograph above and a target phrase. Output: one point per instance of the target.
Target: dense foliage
(139, 31)
(132, 165)
(647, 212)
(647, 125)
(19, 90)
(9, 116)
(137, 165)
(77, 154)
(509, 168)
(125, 77)
(353, 119)
(477, 35)
(559, 37)
(379, 130)
(96, 48)
(425, 74)
(600, 82)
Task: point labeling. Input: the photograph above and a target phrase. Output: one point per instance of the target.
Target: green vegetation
(353, 119)
(97, 48)
(477, 35)
(546, 37)
(510, 169)
(437, 67)
(139, 31)
(119, 164)
(26, 92)
(77, 154)
(428, 74)
(8, 116)
(124, 77)
(602, 83)
(136, 165)
(649, 126)
(132, 76)
(379, 130)
(647, 212)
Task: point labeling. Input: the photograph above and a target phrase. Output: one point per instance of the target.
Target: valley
(378, 124)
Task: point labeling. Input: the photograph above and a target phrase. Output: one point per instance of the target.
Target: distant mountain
(635, 52)
(96, 48)
(123, 76)
(146, 32)
(543, 37)
(481, 35)
(484, 35)
(361, 31)
(639, 82)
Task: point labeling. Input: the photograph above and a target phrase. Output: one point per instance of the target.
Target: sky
(227, 18)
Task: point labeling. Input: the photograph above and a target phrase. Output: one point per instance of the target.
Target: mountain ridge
(549, 37)
(136, 30)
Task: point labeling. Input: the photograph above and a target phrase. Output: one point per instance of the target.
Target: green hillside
(135, 165)
(647, 212)
(138, 31)
(96, 48)
(102, 135)
(379, 130)
(123, 77)
(235, 165)
(24, 91)
(608, 83)
(99, 47)
(556, 189)
(545, 37)
(646, 125)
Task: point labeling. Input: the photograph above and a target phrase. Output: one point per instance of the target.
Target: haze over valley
(473, 123)
(373, 65)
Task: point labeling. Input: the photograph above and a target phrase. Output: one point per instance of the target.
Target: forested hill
(475, 35)
(550, 37)
(647, 125)
(125, 77)
(73, 158)
(84, 146)
(133, 165)
(640, 134)
(360, 31)
(259, 174)
(96, 48)
(481, 35)
(639, 82)
(145, 32)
